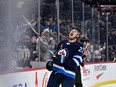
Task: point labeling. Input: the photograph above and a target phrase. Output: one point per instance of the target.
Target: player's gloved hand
(49, 65)
(54, 57)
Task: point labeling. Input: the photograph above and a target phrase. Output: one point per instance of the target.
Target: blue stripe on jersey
(77, 59)
(62, 70)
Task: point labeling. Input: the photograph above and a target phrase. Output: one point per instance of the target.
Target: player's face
(73, 34)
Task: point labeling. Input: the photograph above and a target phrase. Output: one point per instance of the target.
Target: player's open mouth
(71, 34)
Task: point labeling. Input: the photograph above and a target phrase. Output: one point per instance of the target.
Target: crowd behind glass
(31, 50)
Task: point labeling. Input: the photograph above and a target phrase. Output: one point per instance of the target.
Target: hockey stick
(30, 25)
(38, 36)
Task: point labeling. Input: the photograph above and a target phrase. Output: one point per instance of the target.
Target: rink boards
(97, 75)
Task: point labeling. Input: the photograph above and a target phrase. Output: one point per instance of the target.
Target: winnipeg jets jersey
(72, 54)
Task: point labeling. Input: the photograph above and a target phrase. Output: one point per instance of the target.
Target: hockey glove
(49, 65)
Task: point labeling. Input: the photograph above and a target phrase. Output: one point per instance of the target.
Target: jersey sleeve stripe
(77, 62)
(78, 57)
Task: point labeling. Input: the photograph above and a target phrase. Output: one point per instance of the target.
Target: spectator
(88, 53)
(97, 53)
(50, 44)
(113, 56)
(23, 52)
(33, 51)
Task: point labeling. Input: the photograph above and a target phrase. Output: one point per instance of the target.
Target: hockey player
(78, 79)
(68, 58)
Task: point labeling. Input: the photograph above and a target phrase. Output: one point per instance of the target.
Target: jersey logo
(62, 55)
(63, 52)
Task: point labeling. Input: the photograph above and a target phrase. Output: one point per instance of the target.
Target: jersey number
(81, 50)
